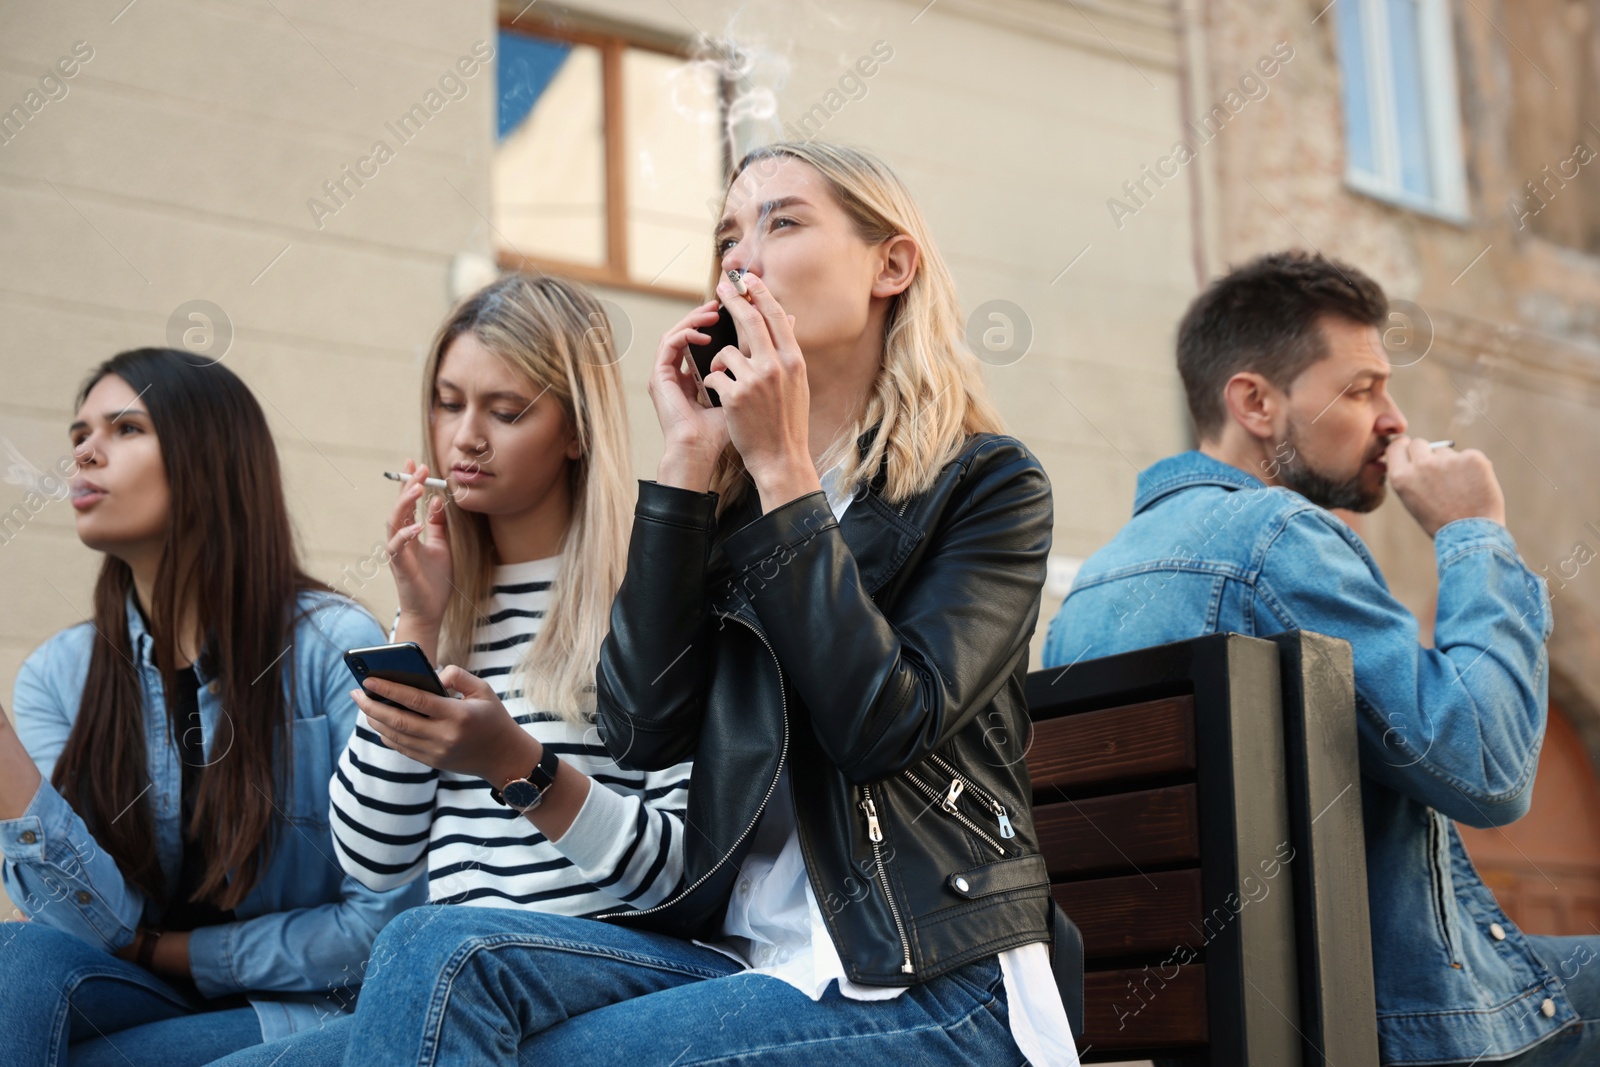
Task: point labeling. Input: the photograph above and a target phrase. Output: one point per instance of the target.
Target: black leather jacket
(883, 659)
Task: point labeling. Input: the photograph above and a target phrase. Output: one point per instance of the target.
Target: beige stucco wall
(177, 168)
(179, 164)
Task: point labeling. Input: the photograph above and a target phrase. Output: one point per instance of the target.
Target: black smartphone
(723, 333)
(405, 664)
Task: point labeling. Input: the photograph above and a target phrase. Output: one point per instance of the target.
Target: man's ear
(1254, 403)
(898, 267)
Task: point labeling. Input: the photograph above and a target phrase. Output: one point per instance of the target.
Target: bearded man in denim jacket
(1286, 378)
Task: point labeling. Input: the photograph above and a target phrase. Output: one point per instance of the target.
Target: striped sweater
(393, 817)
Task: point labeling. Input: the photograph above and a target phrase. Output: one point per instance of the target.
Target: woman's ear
(574, 445)
(897, 266)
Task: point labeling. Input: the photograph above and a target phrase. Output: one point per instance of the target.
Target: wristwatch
(525, 794)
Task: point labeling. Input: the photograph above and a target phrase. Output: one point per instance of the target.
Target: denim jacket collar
(144, 645)
(1184, 471)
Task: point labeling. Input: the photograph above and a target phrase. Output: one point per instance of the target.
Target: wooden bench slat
(1102, 835)
(1134, 913)
(1113, 744)
(1152, 1014)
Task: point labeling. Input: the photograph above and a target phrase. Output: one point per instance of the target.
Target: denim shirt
(302, 936)
(1446, 734)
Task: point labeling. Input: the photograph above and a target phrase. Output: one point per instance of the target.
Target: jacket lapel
(878, 538)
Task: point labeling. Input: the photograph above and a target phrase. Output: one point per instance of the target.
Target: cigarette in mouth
(737, 278)
(1446, 443)
(431, 483)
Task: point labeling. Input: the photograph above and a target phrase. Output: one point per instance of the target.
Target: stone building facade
(1496, 336)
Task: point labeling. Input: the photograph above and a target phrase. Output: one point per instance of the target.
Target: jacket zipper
(783, 755)
(999, 809)
(875, 835)
(947, 803)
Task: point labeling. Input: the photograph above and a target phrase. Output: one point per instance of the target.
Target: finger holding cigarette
(1439, 485)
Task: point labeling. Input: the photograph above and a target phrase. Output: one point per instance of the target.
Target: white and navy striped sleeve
(627, 839)
(382, 811)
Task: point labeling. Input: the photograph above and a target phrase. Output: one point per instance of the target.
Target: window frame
(1440, 107)
(611, 45)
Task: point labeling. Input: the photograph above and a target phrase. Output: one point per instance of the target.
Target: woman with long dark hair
(830, 591)
(164, 795)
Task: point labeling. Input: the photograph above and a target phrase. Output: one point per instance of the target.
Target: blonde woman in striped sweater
(507, 583)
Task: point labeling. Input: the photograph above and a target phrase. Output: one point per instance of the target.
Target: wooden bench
(1199, 807)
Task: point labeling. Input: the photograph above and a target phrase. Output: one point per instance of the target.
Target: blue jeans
(64, 1000)
(454, 985)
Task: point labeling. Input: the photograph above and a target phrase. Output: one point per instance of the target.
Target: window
(1402, 129)
(608, 154)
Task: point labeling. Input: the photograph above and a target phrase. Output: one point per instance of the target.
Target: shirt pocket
(313, 767)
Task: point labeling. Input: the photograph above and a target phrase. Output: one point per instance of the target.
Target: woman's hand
(474, 735)
(695, 435)
(169, 955)
(766, 395)
(19, 775)
(419, 560)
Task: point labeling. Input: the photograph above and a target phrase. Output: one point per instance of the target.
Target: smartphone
(723, 333)
(405, 664)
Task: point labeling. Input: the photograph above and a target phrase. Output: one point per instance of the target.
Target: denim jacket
(1446, 734)
(302, 936)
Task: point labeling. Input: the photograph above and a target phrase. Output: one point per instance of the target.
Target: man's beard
(1348, 494)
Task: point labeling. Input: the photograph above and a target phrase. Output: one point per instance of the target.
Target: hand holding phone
(403, 664)
(723, 333)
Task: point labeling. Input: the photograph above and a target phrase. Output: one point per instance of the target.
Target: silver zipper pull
(874, 831)
(956, 789)
(1006, 829)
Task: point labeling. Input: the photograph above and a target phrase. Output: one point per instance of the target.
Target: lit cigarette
(737, 278)
(431, 483)
(1446, 443)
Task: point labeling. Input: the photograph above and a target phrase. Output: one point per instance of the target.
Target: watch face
(521, 794)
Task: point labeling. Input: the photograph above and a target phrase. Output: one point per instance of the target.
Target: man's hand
(1441, 485)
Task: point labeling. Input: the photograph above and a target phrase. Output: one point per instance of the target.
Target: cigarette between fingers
(1447, 443)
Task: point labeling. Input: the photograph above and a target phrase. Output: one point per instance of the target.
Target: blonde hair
(929, 394)
(558, 335)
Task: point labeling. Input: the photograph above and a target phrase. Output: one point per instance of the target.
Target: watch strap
(542, 777)
(145, 952)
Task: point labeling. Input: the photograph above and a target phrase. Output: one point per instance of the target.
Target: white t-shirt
(773, 925)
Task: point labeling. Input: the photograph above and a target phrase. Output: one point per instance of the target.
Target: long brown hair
(229, 559)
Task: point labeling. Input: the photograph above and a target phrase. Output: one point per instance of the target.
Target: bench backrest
(1199, 808)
